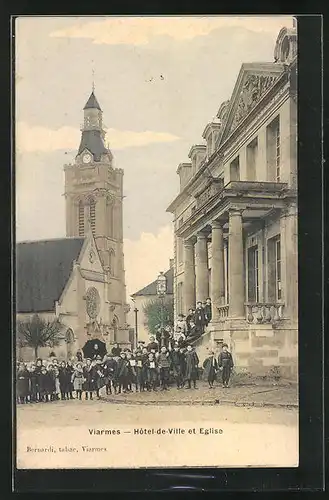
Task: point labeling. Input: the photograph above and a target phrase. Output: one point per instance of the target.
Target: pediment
(253, 82)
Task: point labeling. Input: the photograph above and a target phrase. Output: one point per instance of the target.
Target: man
(153, 344)
(225, 362)
(189, 318)
(200, 320)
(116, 350)
(191, 367)
(194, 332)
(208, 311)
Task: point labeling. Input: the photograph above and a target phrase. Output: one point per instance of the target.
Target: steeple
(92, 102)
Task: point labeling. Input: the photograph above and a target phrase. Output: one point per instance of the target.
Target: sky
(159, 81)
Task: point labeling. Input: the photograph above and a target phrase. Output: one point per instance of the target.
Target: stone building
(235, 218)
(80, 279)
(146, 295)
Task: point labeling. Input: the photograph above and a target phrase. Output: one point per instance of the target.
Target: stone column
(217, 268)
(189, 276)
(201, 268)
(236, 274)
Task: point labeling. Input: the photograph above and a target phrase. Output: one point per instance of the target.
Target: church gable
(89, 258)
(253, 82)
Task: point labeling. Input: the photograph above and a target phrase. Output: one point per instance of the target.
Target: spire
(92, 101)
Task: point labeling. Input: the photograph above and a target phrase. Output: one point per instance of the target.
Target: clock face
(86, 158)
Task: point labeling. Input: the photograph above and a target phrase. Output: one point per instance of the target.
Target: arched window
(81, 219)
(92, 215)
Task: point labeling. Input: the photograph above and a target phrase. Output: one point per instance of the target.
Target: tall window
(277, 153)
(278, 269)
(253, 274)
(180, 250)
(273, 151)
(235, 170)
(92, 215)
(274, 269)
(81, 219)
(180, 308)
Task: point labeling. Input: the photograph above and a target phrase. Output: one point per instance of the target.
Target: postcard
(156, 228)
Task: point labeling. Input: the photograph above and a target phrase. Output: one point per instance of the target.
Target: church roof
(42, 270)
(92, 102)
(93, 141)
(151, 289)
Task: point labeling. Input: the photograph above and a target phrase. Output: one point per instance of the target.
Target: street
(93, 434)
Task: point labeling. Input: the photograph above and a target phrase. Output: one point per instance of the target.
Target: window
(180, 250)
(179, 304)
(235, 170)
(253, 274)
(92, 215)
(252, 151)
(278, 269)
(273, 151)
(274, 269)
(277, 153)
(81, 219)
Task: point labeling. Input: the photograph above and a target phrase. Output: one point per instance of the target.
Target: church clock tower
(94, 195)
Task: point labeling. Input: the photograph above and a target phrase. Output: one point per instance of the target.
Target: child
(208, 311)
(200, 319)
(191, 367)
(122, 373)
(116, 350)
(140, 381)
(210, 366)
(51, 381)
(44, 384)
(70, 370)
(164, 365)
(63, 380)
(177, 365)
(132, 378)
(57, 385)
(109, 370)
(23, 383)
(98, 375)
(78, 380)
(33, 384)
(38, 366)
(189, 318)
(151, 366)
(225, 362)
(88, 373)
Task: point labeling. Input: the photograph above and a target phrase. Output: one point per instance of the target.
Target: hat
(224, 345)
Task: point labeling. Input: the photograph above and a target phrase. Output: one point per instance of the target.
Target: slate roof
(151, 289)
(93, 141)
(42, 270)
(92, 102)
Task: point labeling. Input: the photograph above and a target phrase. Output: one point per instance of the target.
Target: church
(235, 219)
(80, 279)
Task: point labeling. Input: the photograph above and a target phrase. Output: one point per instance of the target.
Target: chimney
(171, 263)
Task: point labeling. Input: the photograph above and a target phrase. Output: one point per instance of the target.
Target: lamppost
(136, 327)
(136, 324)
(161, 292)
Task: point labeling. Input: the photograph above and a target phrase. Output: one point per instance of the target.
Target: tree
(157, 314)
(37, 332)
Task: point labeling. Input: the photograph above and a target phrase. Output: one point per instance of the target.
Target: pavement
(275, 396)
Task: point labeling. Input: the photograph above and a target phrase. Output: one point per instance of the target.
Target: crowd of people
(146, 368)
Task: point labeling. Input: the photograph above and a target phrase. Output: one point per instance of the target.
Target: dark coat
(64, 378)
(189, 318)
(88, 374)
(34, 383)
(177, 362)
(23, 383)
(225, 360)
(210, 366)
(208, 313)
(191, 369)
(109, 368)
(152, 373)
(52, 381)
(200, 318)
(44, 383)
(122, 369)
(98, 376)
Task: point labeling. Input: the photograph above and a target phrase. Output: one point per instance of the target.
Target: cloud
(139, 30)
(146, 257)
(36, 138)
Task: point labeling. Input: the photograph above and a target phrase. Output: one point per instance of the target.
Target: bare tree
(37, 332)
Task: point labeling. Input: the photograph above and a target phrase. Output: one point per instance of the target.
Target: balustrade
(223, 312)
(264, 312)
